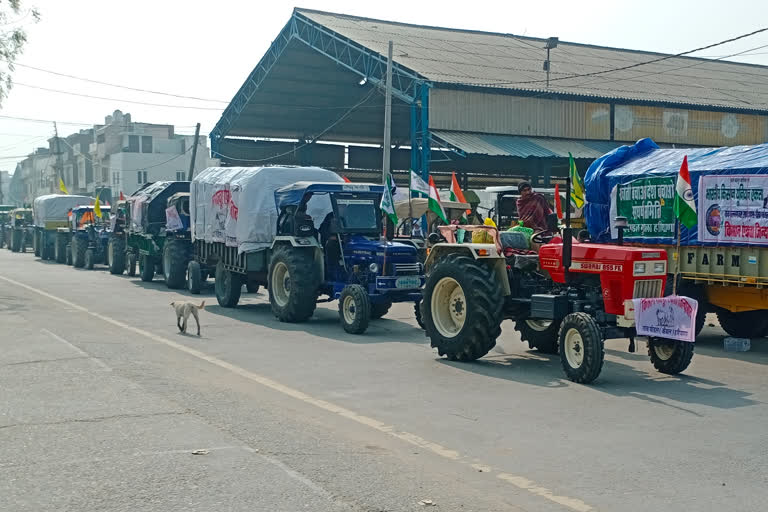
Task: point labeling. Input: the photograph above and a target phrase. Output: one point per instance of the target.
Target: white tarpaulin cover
(236, 205)
(55, 207)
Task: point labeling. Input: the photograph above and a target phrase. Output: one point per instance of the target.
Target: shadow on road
(616, 378)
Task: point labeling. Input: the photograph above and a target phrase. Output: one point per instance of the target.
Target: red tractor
(568, 298)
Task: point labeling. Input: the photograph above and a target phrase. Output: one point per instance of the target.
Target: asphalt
(105, 406)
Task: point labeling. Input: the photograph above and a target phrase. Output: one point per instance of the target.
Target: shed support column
(420, 143)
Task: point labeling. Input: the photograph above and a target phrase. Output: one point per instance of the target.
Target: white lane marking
(96, 360)
(518, 481)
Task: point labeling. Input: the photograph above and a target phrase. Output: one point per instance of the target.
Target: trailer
(51, 212)
(723, 261)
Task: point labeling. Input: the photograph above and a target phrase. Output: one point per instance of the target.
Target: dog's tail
(202, 305)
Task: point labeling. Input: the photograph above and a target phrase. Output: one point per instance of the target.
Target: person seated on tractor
(292, 220)
(532, 208)
(329, 239)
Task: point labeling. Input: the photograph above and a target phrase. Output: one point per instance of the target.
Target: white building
(126, 155)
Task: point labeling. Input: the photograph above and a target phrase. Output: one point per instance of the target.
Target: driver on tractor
(532, 208)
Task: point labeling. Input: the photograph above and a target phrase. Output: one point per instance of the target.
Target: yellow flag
(63, 187)
(97, 206)
(577, 184)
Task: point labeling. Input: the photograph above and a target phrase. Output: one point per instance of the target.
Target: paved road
(102, 404)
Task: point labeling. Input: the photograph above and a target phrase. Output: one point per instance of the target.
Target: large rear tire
(146, 268)
(175, 263)
(355, 309)
(293, 284)
(463, 310)
(670, 356)
(228, 285)
(745, 324)
(78, 252)
(116, 252)
(540, 334)
(581, 348)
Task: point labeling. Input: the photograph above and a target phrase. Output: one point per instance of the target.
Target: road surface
(105, 406)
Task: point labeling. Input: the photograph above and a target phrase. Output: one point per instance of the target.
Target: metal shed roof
(506, 61)
(512, 145)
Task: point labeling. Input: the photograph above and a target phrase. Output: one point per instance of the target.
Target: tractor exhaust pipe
(567, 232)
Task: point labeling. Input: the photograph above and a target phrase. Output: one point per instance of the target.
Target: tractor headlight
(660, 267)
(374, 268)
(639, 267)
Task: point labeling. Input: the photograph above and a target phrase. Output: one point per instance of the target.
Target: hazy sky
(207, 48)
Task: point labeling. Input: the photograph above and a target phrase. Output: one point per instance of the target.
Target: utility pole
(59, 172)
(194, 154)
(388, 119)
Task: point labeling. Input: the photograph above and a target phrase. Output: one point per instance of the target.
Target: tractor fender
(308, 243)
(482, 253)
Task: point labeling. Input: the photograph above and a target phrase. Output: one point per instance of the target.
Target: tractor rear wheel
(670, 356)
(355, 309)
(228, 285)
(380, 309)
(194, 277)
(174, 264)
(745, 324)
(146, 268)
(463, 303)
(540, 334)
(116, 252)
(293, 284)
(90, 259)
(78, 252)
(581, 348)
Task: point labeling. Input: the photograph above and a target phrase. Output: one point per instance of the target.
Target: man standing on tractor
(532, 208)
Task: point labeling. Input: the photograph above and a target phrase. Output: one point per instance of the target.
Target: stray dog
(183, 310)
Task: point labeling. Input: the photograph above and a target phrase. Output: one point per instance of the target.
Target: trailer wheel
(581, 348)
(78, 252)
(354, 309)
(174, 264)
(379, 310)
(60, 250)
(745, 324)
(16, 237)
(45, 248)
(540, 334)
(68, 250)
(194, 277)
(116, 251)
(90, 258)
(463, 313)
(131, 264)
(670, 356)
(417, 313)
(228, 286)
(146, 268)
(292, 284)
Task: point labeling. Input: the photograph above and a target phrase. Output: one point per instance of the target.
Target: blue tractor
(346, 258)
(85, 240)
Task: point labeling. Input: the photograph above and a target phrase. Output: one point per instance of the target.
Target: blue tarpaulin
(645, 159)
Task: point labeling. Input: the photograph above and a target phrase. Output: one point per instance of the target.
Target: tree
(13, 37)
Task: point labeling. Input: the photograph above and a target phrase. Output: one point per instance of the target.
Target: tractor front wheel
(540, 334)
(581, 348)
(462, 307)
(78, 252)
(68, 251)
(228, 285)
(354, 309)
(146, 268)
(90, 259)
(670, 356)
(60, 250)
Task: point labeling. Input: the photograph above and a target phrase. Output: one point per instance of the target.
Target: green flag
(577, 185)
(387, 204)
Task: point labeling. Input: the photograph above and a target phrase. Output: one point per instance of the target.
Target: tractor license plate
(408, 282)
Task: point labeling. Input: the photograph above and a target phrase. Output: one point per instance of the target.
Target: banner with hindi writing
(733, 209)
(671, 317)
(648, 205)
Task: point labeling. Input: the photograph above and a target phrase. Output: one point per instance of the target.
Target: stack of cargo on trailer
(51, 212)
(723, 261)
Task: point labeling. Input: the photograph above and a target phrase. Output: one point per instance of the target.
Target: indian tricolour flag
(434, 201)
(457, 194)
(685, 207)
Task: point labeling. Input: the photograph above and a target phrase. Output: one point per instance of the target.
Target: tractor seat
(305, 226)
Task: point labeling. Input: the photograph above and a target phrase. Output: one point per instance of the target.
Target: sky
(207, 49)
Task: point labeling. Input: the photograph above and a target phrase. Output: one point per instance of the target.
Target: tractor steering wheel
(542, 237)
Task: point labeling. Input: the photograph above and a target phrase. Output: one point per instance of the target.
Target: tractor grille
(407, 269)
(647, 289)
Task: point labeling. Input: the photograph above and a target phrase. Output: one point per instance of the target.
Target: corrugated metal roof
(507, 61)
(523, 147)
